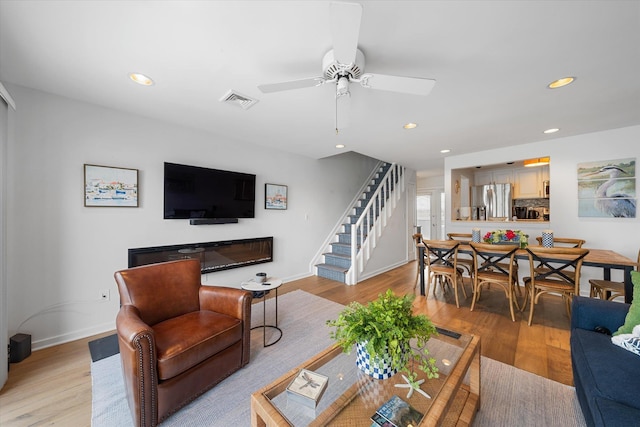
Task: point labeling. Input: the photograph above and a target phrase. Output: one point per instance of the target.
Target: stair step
(344, 238)
(341, 248)
(331, 272)
(337, 260)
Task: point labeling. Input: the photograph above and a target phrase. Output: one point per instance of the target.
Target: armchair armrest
(233, 302)
(230, 301)
(138, 354)
(587, 313)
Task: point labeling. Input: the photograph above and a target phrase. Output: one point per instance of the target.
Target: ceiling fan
(344, 64)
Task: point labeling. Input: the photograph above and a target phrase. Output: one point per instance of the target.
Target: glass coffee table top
(352, 397)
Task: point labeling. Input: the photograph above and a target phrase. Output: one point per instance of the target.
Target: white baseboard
(382, 270)
(72, 336)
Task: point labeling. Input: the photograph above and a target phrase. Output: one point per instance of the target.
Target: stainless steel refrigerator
(496, 198)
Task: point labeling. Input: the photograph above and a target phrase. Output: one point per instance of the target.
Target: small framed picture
(307, 388)
(275, 196)
(110, 186)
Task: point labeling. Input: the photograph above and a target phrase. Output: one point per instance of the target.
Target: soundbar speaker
(19, 347)
(201, 221)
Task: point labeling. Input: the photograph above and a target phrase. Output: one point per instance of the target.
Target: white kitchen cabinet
(496, 176)
(528, 182)
(483, 177)
(503, 176)
(545, 173)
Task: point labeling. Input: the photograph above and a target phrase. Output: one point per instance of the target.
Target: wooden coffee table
(352, 397)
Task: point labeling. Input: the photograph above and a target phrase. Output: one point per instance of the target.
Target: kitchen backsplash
(531, 203)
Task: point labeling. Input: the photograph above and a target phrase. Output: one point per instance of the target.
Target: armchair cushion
(185, 341)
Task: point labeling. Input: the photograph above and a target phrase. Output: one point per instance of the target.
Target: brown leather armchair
(177, 338)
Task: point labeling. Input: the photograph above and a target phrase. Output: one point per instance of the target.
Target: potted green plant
(385, 328)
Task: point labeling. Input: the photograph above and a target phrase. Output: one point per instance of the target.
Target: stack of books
(396, 413)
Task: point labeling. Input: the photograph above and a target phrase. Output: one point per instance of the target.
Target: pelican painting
(607, 189)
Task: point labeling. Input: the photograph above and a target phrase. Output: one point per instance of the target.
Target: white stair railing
(368, 228)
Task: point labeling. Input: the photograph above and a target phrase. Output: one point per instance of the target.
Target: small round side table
(260, 290)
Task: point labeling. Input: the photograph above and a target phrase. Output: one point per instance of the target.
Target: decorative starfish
(411, 387)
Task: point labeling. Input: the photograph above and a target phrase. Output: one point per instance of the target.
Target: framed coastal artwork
(607, 189)
(275, 196)
(110, 186)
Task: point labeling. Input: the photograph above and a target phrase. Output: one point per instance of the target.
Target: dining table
(599, 258)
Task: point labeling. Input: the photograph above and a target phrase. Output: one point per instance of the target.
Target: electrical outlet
(105, 295)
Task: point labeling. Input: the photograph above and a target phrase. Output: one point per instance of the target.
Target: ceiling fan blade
(410, 85)
(293, 84)
(345, 29)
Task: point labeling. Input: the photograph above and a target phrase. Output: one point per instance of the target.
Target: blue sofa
(606, 377)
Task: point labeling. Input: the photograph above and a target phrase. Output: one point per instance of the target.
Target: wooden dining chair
(417, 238)
(553, 271)
(608, 289)
(442, 262)
(560, 242)
(464, 260)
(495, 264)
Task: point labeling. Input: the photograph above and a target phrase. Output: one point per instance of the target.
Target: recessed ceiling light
(446, 150)
(339, 145)
(552, 130)
(141, 79)
(410, 126)
(561, 82)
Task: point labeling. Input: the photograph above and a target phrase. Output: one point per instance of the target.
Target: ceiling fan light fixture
(540, 161)
(561, 82)
(410, 125)
(141, 79)
(342, 86)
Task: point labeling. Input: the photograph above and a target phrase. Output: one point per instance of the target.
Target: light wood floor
(53, 385)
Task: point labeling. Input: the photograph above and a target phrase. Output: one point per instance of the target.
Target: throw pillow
(630, 341)
(633, 316)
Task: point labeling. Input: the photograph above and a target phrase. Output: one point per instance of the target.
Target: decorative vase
(507, 242)
(521, 243)
(378, 367)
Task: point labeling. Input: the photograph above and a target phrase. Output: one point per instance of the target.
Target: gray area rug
(510, 396)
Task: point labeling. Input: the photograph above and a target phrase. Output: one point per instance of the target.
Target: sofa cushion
(185, 341)
(589, 313)
(611, 413)
(606, 371)
(633, 316)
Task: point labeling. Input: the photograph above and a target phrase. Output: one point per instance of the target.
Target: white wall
(62, 254)
(430, 183)
(621, 235)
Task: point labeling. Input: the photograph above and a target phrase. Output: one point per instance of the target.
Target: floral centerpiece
(506, 236)
(385, 327)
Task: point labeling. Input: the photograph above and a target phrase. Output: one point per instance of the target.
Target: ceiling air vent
(235, 98)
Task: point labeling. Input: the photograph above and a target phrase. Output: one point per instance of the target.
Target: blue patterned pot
(378, 367)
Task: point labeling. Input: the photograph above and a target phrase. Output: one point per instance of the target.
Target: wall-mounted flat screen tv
(197, 192)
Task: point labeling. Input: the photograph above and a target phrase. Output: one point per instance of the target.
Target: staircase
(348, 256)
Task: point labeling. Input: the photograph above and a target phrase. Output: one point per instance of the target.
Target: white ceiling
(492, 61)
